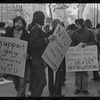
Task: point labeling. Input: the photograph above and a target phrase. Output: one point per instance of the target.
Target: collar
(39, 25)
(18, 32)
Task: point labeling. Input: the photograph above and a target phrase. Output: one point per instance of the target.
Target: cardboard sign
(12, 60)
(55, 51)
(84, 59)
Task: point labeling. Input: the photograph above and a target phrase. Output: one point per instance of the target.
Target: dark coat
(25, 35)
(84, 35)
(37, 43)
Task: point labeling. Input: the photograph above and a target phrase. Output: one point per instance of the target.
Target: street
(7, 90)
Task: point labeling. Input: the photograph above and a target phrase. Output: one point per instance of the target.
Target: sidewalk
(69, 88)
(8, 90)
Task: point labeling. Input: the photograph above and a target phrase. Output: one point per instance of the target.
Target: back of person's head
(98, 25)
(80, 21)
(88, 23)
(38, 18)
(71, 27)
(19, 18)
(55, 22)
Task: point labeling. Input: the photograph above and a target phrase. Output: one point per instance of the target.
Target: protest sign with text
(55, 51)
(12, 60)
(84, 59)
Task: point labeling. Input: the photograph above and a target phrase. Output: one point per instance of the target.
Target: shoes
(85, 91)
(29, 94)
(77, 91)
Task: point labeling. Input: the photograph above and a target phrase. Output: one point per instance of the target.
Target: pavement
(8, 90)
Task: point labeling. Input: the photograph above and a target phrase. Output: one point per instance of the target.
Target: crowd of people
(38, 36)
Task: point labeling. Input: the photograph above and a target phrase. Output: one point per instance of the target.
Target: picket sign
(12, 60)
(56, 50)
(84, 59)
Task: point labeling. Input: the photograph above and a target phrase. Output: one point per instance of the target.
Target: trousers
(81, 80)
(38, 77)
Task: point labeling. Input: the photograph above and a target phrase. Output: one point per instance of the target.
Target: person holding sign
(55, 85)
(18, 31)
(86, 37)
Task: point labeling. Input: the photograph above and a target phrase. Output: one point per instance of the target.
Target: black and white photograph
(50, 49)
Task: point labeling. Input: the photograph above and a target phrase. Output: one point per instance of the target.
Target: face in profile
(19, 25)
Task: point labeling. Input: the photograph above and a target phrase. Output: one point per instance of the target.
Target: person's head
(71, 27)
(19, 23)
(55, 22)
(88, 23)
(46, 28)
(98, 25)
(38, 18)
(80, 23)
(2, 28)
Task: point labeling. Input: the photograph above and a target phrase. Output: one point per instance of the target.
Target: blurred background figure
(71, 28)
(98, 38)
(88, 24)
(2, 29)
(8, 25)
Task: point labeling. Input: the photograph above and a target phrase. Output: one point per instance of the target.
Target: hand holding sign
(26, 56)
(52, 37)
(57, 47)
(84, 45)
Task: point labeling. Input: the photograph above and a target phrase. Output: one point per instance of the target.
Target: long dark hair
(38, 17)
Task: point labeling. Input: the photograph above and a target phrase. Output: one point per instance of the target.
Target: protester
(18, 31)
(2, 29)
(37, 45)
(98, 38)
(86, 37)
(71, 28)
(8, 25)
(55, 87)
(2, 33)
(88, 24)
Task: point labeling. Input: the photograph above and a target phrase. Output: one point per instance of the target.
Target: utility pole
(97, 12)
(94, 14)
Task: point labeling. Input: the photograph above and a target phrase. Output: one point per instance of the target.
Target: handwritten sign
(12, 53)
(55, 51)
(84, 59)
